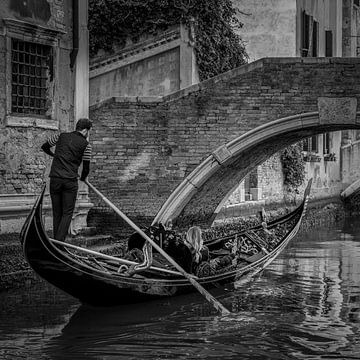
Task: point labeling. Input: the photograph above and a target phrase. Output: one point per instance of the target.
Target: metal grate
(31, 68)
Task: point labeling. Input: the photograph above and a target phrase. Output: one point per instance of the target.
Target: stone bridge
(179, 156)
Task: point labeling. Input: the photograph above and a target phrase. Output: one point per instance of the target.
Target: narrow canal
(305, 305)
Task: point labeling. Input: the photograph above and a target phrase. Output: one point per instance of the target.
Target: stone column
(188, 67)
(347, 28)
(81, 110)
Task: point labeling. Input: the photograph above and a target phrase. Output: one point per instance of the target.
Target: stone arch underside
(196, 199)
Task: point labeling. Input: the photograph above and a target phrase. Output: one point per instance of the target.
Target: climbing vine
(218, 47)
(293, 167)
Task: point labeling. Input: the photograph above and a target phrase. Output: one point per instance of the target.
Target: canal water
(305, 305)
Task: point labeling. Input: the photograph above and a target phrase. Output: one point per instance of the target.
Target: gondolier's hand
(46, 149)
(85, 170)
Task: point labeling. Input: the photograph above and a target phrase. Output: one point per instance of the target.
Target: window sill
(20, 121)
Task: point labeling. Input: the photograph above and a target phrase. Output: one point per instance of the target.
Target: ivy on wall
(293, 166)
(218, 47)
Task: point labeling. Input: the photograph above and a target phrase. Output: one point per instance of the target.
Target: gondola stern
(306, 197)
(308, 188)
(36, 210)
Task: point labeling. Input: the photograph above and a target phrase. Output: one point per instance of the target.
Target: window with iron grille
(31, 71)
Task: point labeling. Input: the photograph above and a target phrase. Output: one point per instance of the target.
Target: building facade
(303, 28)
(43, 89)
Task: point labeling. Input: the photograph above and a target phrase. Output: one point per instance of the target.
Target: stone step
(87, 231)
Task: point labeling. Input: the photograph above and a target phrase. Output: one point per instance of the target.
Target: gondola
(99, 279)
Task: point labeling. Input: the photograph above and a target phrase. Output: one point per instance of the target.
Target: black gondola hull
(95, 287)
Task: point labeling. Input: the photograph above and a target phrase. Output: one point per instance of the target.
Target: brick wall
(23, 168)
(269, 27)
(144, 150)
(24, 165)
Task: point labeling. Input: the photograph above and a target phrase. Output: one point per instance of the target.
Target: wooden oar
(252, 236)
(217, 305)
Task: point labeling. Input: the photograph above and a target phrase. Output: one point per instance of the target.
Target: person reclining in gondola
(199, 251)
(202, 265)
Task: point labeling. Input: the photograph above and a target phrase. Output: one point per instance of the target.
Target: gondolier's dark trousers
(63, 194)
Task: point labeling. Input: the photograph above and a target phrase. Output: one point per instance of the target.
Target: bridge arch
(222, 171)
(178, 156)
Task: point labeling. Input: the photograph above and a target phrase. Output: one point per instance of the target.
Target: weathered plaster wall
(154, 76)
(326, 175)
(156, 65)
(350, 28)
(269, 27)
(350, 159)
(328, 14)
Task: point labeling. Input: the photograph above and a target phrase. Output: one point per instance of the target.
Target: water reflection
(306, 305)
(327, 272)
(29, 316)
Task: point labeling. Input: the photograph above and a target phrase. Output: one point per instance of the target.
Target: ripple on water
(304, 306)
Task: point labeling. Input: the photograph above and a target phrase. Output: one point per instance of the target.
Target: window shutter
(315, 33)
(305, 23)
(328, 43)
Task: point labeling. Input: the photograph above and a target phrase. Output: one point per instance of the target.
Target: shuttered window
(305, 39)
(328, 43)
(315, 38)
(326, 143)
(311, 144)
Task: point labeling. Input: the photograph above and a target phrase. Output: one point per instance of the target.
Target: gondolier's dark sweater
(71, 149)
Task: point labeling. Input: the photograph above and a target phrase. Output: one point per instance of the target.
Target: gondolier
(72, 149)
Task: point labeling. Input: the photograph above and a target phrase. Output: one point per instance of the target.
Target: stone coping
(207, 84)
(136, 52)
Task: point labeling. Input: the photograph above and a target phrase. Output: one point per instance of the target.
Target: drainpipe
(75, 50)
